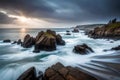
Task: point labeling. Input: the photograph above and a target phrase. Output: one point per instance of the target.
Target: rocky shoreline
(56, 72)
(108, 31)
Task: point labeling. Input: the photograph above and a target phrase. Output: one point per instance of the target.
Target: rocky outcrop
(67, 33)
(28, 41)
(7, 41)
(82, 49)
(110, 30)
(75, 30)
(60, 72)
(19, 42)
(30, 74)
(116, 48)
(56, 72)
(47, 41)
(59, 40)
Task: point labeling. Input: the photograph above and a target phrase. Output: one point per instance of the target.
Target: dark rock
(28, 41)
(39, 36)
(116, 48)
(59, 40)
(76, 30)
(82, 49)
(109, 31)
(45, 43)
(14, 42)
(68, 33)
(30, 74)
(60, 72)
(7, 41)
(19, 42)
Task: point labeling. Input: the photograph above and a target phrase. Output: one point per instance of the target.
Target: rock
(109, 31)
(28, 41)
(29, 74)
(45, 43)
(14, 42)
(76, 30)
(59, 40)
(7, 41)
(60, 72)
(116, 48)
(67, 33)
(82, 49)
(19, 42)
(39, 36)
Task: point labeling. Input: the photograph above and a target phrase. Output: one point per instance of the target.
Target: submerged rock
(60, 72)
(82, 49)
(7, 41)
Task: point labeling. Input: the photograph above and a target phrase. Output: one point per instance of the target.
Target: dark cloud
(4, 19)
(64, 10)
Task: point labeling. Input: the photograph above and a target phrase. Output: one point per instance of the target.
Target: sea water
(14, 59)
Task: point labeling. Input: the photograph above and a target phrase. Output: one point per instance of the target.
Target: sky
(56, 13)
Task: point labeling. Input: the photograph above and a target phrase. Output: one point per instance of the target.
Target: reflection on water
(22, 33)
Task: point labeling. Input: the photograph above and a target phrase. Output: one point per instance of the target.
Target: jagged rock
(19, 42)
(59, 40)
(45, 43)
(7, 41)
(82, 49)
(76, 30)
(28, 41)
(60, 72)
(38, 36)
(14, 42)
(29, 74)
(110, 30)
(116, 48)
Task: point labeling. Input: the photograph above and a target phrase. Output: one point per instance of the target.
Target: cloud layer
(4, 19)
(64, 11)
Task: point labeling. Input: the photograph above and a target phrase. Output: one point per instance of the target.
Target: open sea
(15, 59)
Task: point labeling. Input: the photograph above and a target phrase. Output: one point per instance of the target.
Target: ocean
(14, 59)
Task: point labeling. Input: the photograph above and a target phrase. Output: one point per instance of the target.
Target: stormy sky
(60, 12)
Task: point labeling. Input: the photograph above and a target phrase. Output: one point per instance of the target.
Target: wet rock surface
(7, 41)
(75, 30)
(28, 41)
(60, 72)
(110, 30)
(46, 41)
(30, 74)
(56, 72)
(82, 49)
